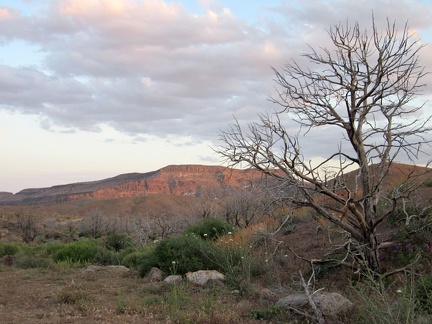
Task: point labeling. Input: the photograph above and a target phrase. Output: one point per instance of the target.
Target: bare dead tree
(27, 226)
(165, 228)
(243, 208)
(143, 230)
(95, 224)
(365, 86)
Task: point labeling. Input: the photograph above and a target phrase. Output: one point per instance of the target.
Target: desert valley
(87, 252)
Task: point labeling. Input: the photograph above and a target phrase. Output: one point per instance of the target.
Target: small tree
(27, 226)
(243, 208)
(365, 86)
(95, 224)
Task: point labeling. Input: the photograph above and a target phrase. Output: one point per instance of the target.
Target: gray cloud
(149, 67)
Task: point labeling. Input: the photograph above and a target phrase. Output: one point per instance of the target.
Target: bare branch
(366, 87)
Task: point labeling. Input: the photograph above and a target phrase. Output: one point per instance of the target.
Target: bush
(118, 241)
(134, 259)
(179, 255)
(423, 293)
(380, 304)
(146, 262)
(410, 241)
(268, 313)
(80, 251)
(8, 249)
(239, 264)
(30, 261)
(210, 228)
(104, 256)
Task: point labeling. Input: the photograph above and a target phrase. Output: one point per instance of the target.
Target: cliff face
(192, 180)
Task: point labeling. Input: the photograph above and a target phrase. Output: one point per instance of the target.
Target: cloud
(152, 68)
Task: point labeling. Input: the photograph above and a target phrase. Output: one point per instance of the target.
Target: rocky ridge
(191, 180)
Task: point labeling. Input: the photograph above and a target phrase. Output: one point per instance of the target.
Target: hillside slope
(188, 180)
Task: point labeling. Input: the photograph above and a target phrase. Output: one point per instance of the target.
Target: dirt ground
(76, 296)
(53, 296)
(58, 295)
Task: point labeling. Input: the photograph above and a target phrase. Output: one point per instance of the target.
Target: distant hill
(187, 180)
(179, 180)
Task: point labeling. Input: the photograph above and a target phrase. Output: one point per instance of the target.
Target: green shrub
(31, 261)
(427, 183)
(423, 293)
(134, 259)
(288, 227)
(9, 249)
(410, 242)
(238, 263)
(82, 251)
(210, 228)
(146, 262)
(268, 313)
(80, 299)
(179, 255)
(69, 264)
(384, 301)
(118, 241)
(104, 256)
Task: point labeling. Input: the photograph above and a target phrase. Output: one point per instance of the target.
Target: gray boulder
(155, 274)
(202, 277)
(173, 279)
(110, 269)
(331, 305)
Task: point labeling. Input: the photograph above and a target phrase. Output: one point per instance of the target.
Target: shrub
(29, 261)
(210, 228)
(427, 184)
(80, 251)
(27, 226)
(80, 299)
(134, 259)
(377, 304)
(268, 313)
(146, 262)
(238, 263)
(8, 249)
(104, 256)
(188, 253)
(410, 241)
(423, 293)
(118, 241)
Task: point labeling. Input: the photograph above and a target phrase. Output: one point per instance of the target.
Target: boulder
(155, 274)
(202, 277)
(331, 305)
(266, 293)
(112, 269)
(173, 279)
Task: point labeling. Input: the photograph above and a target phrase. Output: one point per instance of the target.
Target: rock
(201, 277)
(297, 300)
(155, 274)
(181, 180)
(117, 269)
(331, 305)
(111, 269)
(173, 279)
(266, 293)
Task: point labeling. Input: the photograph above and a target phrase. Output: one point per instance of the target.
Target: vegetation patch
(211, 228)
(179, 255)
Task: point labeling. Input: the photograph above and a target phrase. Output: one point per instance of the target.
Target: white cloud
(151, 68)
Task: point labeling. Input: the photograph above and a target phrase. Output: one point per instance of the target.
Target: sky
(96, 88)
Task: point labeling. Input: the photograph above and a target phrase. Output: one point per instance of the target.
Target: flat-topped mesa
(192, 168)
(190, 180)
